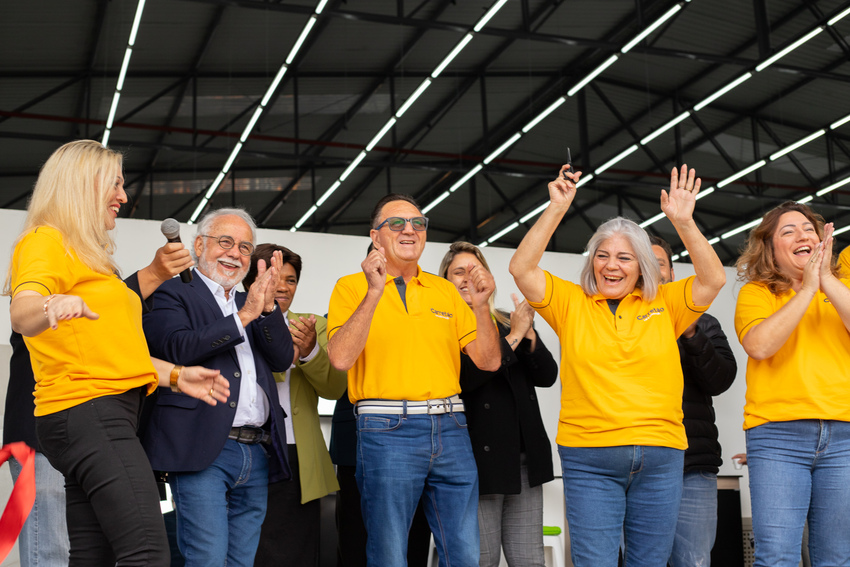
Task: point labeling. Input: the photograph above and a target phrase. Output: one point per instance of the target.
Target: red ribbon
(23, 495)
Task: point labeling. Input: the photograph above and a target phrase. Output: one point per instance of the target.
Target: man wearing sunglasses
(398, 331)
(220, 459)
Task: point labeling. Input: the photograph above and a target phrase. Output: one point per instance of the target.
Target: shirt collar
(416, 279)
(637, 292)
(216, 289)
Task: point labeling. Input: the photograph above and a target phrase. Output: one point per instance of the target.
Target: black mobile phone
(569, 163)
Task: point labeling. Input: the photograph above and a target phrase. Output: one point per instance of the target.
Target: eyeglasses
(227, 242)
(397, 224)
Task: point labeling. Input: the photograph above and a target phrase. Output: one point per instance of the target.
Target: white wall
(328, 257)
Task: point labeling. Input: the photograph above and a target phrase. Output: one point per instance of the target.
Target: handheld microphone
(171, 231)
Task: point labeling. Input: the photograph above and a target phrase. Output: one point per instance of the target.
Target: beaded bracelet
(46, 303)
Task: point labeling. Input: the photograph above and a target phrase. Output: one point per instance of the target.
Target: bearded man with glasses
(220, 462)
(399, 331)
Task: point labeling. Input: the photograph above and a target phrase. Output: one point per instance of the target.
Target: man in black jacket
(709, 369)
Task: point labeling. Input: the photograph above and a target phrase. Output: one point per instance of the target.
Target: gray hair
(208, 219)
(650, 274)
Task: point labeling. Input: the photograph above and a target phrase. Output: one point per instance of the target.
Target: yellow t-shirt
(413, 352)
(83, 359)
(621, 379)
(809, 376)
(844, 262)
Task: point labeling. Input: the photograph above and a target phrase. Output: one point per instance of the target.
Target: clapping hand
(303, 332)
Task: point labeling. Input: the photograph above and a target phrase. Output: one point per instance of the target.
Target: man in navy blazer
(220, 459)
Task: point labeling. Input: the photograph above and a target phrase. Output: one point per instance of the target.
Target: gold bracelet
(175, 374)
(46, 303)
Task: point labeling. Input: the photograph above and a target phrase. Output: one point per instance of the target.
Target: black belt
(249, 434)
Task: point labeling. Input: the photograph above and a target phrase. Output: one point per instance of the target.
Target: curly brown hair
(758, 261)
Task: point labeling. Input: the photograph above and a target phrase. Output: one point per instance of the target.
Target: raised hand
(67, 307)
(679, 203)
(826, 264)
(483, 285)
(562, 189)
(261, 293)
(375, 268)
(272, 274)
(812, 270)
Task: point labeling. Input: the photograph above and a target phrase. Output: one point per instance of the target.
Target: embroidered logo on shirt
(654, 311)
(442, 314)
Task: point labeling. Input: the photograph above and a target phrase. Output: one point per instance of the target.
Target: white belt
(430, 407)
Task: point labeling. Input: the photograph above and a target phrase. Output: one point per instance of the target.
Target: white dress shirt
(253, 405)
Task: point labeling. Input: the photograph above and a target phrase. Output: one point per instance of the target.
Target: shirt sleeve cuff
(312, 354)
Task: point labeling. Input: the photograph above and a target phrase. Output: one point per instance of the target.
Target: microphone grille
(170, 228)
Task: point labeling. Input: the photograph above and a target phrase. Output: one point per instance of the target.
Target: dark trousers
(112, 502)
(352, 531)
(290, 533)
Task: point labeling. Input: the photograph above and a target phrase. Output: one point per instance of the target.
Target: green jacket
(308, 381)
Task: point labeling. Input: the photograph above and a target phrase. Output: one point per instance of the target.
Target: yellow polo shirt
(809, 376)
(413, 352)
(621, 379)
(82, 359)
(844, 262)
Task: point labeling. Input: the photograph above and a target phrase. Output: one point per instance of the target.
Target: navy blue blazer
(186, 326)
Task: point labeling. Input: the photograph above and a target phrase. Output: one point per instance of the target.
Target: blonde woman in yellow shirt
(83, 328)
(793, 320)
(620, 433)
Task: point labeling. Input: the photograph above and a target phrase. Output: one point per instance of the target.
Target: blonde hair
(462, 247)
(758, 261)
(70, 195)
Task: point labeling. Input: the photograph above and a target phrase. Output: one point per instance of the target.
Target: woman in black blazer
(510, 444)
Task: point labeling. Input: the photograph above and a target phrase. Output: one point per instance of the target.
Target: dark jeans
(352, 532)
(290, 532)
(112, 502)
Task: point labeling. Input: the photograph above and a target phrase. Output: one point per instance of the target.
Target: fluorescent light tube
(608, 62)
(654, 26)
(619, 157)
(711, 98)
(767, 63)
(502, 148)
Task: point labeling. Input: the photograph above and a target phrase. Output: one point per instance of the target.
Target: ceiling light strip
(122, 75)
(708, 191)
(722, 91)
(654, 26)
(423, 86)
(561, 100)
(708, 100)
(258, 112)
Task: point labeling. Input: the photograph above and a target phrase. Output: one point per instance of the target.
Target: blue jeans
(221, 508)
(44, 539)
(629, 489)
(697, 523)
(401, 459)
(800, 469)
